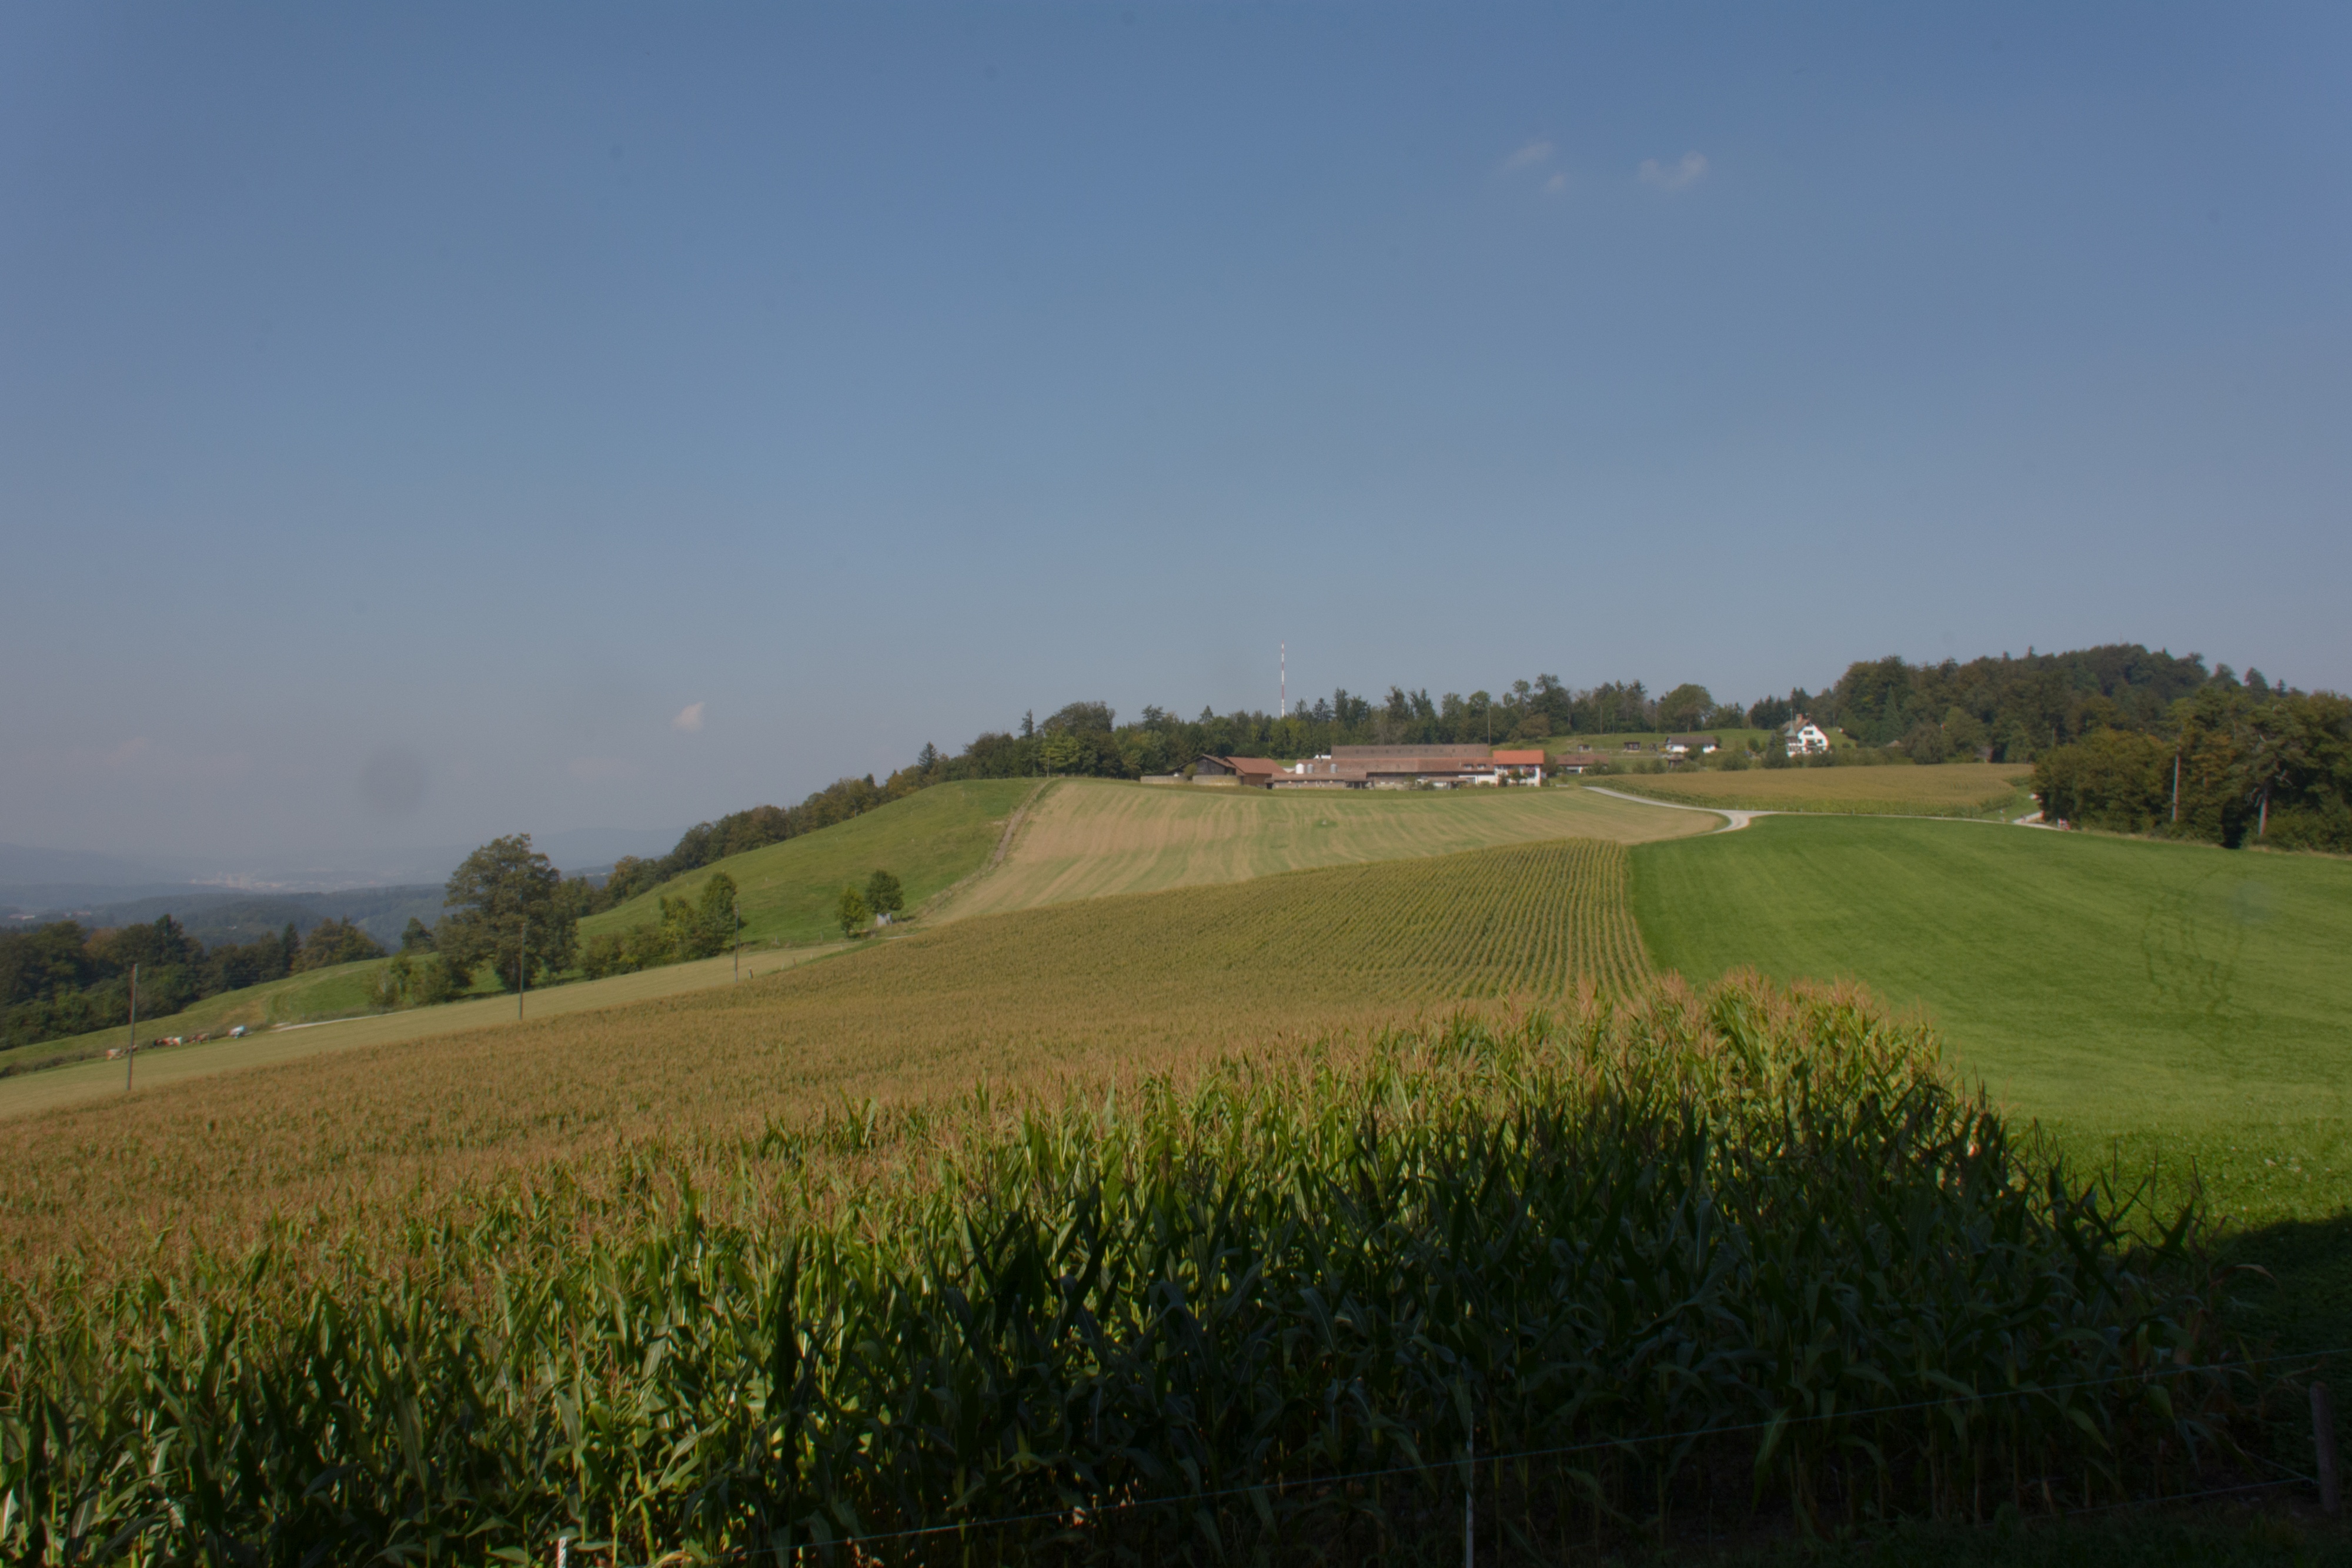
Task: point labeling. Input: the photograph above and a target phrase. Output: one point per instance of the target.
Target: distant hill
(21, 866)
(214, 915)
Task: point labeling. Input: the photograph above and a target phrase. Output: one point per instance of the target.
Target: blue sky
(407, 412)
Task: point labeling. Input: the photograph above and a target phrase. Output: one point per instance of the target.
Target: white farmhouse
(1804, 737)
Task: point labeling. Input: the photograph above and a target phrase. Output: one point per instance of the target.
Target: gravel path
(1735, 820)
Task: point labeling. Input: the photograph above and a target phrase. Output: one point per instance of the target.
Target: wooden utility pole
(739, 940)
(2323, 1442)
(130, 1051)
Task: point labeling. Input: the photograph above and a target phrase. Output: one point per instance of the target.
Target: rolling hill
(930, 840)
(1115, 988)
(1088, 838)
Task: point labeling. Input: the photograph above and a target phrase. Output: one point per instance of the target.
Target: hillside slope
(930, 840)
(1090, 838)
(1112, 988)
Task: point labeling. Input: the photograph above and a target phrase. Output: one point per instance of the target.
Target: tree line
(2232, 763)
(2003, 709)
(60, 979)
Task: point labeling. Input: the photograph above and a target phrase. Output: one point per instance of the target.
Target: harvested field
(1090, 838)
(1094, 992)
(1951, 789)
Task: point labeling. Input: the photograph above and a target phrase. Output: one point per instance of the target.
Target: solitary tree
(850, 912)
(883, 894)
(508, 909)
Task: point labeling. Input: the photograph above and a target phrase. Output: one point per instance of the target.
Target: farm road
(1735, 820)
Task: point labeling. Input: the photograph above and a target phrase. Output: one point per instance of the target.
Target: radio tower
(1283, 705)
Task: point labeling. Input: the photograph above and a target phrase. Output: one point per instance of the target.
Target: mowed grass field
(2169, 1006)
(1949, 789)
(1087, 993)
(1091, 838)
(930, 840)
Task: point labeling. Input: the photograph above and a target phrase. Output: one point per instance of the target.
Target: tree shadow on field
(2306, 1301)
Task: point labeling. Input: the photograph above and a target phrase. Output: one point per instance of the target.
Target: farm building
(1576, 761)
(1402, 766)
(1256, 771)
(1804, 737)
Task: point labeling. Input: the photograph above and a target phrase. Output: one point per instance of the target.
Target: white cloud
(1673, 176)
(1556, 184)
(688, 720)
(1527, 157)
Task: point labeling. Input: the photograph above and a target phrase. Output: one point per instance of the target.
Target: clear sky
(414, 419)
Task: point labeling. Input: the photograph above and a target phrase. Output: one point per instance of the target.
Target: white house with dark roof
(1803, 738)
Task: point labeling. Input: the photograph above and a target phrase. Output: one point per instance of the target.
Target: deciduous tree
(850, 912)
(510, 911)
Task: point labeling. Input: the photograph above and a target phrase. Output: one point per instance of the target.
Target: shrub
(607, 953)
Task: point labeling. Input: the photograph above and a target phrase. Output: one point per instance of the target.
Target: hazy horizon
(417, 425)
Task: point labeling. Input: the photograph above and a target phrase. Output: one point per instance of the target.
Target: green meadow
(341, 991)
(930, 840)
(2159, 1009)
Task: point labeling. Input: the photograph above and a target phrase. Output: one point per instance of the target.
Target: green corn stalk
(1647, 1252)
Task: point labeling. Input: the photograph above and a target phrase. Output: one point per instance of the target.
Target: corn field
(1079, 994)
(1522, 920)
(1653, 1259)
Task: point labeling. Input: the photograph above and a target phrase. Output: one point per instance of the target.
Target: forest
(2232, 764)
